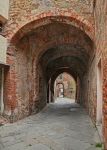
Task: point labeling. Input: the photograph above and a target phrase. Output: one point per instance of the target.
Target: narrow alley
(63, 125)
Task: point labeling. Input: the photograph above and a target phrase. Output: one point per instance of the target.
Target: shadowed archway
(43, 53)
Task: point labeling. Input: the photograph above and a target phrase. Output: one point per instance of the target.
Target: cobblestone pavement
(60, 126)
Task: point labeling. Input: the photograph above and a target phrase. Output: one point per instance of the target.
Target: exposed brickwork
(33, 12)
(24, 12)
(101, 46)
(28, 52)
(46, 38)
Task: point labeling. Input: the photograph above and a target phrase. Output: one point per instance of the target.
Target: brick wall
(101, 47)
(23, 12)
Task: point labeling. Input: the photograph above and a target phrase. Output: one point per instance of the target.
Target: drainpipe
(2, 87)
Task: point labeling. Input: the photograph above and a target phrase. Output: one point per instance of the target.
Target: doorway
(99, 93)
(99, 117)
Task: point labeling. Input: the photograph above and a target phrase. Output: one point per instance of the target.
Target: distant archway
(65, 86)
(59, 89)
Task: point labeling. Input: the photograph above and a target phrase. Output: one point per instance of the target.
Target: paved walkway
(60, 126)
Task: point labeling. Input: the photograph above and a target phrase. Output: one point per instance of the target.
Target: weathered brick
(35, 31)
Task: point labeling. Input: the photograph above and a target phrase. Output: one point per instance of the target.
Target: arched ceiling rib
(74, 63)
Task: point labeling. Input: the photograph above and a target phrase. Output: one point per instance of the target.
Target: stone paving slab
(63, 125)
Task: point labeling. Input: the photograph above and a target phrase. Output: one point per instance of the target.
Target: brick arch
(69, 62)
(24, 31)
(63, 50)
(52, 44)
(68, 71)
(35, 21)
(64, 70)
